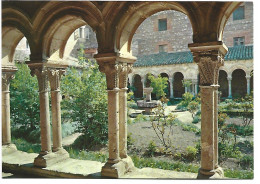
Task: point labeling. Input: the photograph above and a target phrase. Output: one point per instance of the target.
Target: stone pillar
(229, 87)
(171, 87)
(54, 75)
(186, 89)
(116, 70)
(248, 84)
(7, 75)
(143, 85)
(196, 86)
(209, 57)
(42, 77)
(131, 80)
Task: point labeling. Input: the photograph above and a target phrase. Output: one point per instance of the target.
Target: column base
(117, 170)
(8, 148)
(210, 174)
(51, 158)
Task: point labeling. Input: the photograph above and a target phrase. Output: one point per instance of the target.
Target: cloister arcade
(47, 26)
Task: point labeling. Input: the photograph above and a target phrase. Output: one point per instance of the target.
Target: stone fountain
(148, 104)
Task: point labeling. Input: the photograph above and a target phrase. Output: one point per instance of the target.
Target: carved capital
(6, 77)
(112, 74)
(125, 69)
(54, 75)
(209, 57)
(42, 76)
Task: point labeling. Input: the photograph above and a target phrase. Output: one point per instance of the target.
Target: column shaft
(44, 110)
(55, 77)
(229, 88)
(248, 85)
(113, 125)
(171, 88)
(123, 122)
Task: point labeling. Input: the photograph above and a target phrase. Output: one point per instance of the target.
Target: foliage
(196, 119)
(24, 101)
(186, 83)
(186, 99)
(160, 123)
(130, 140)
(228, 151)
(86, 103)
(241, 130)
(159, 85)
(247, 106)
(191, 153)
(240, 174)
(176, 166)
(187, 127)
(193, 108)
(140, 117)
(25, 146)
(247, 161)
(151, 149)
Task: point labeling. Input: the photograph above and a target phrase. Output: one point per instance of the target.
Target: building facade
(161, 47)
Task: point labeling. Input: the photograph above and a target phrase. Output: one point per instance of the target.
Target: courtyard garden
(168, 138)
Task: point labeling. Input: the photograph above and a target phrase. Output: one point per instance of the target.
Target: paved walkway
(21, 164)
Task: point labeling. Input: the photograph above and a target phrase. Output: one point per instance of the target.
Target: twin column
(44, 76)
(209, 57)
(7, 75)
(116, 76)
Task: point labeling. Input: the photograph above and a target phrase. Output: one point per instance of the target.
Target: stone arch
(60, 20)
(235, 67)
(136, 14)
(228, 10)
(15, 25)
(137, 84)
(223, 83)
(178, 89)
(238, 83)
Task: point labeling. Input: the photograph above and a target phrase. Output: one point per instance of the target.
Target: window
(27, 45)
(239, 13)
(162, 48)
(81, 32)
(162, 24)
(239, 41)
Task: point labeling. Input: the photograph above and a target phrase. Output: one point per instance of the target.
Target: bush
(151, 149)
(229, 151)
(196, 119)
(186, 99)
(87, 104)
(24, 99)
(247, 161)
(191, 153)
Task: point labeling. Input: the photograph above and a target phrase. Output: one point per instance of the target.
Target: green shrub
(151, 149)
(140, 117)
(68, 128)
(130, 140)
(191, 153)
(229, 151)
(87, 105)
(247, 161)
(196, 119)
(24, 99)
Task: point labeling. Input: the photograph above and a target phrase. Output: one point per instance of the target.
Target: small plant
(196, 119)
(139, 118)
(247, 161)
(186, 99)
(191, 153)
(193, 108)
(130, 140)
(151, 149)
(162, 123)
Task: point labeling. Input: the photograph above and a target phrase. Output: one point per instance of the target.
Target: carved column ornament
(55, 77)
(125, 69)
(209, 57)
(111, 70)
(42, 76)
(6, 77)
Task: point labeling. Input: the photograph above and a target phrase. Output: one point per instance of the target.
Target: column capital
(7, 75)
(55, 75)
(229, 78)
(248, 77)
(209, 57)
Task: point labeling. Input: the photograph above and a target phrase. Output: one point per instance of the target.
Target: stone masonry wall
(179, 32)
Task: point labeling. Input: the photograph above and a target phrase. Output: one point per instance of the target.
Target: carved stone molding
(112, 74)
(6, 77)
(125, 69)
(54, 75)
(42, 75)
(209, 59)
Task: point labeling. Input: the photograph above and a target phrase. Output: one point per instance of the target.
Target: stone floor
(20, 164)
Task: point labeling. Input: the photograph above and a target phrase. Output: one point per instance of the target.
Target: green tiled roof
(234, 53)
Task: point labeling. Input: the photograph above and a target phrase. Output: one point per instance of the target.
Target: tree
(193, 108)
(158, 84)
(86, 103)
(24, 101)
(186, 83)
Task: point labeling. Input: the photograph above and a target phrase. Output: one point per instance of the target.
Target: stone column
(131, 80)
(7, 75)
(143, 84)
(186, 89)
(123, 73)
(54, 75)
(196, 86)
(209, 57)
(116, 70)
(171, 87)
(248, 84)
(42, 77)
(229, 87)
